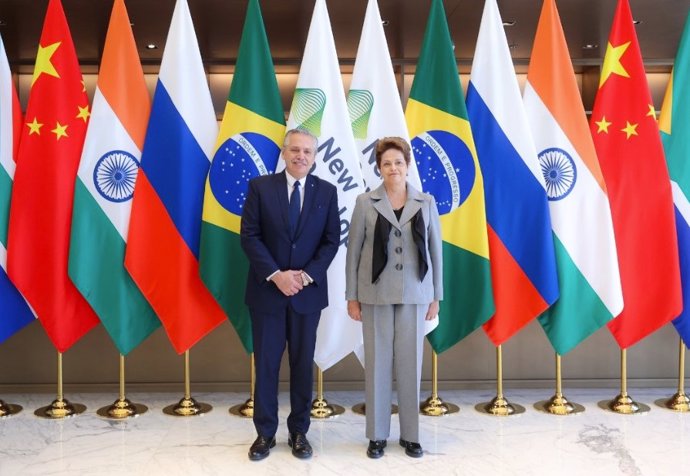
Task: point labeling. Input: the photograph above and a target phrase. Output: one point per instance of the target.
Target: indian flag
(248, 145)
(448, 167)
(104, 187)
(588, 276)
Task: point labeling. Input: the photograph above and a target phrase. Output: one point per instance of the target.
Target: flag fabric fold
(627, 141)
(14, 310)
(41, 209)
(164, 230)
(104, 188)
(376, 110)
(448, 167)
(319, 106)
(588, 276)
(674, 123)
(523, 264)
(248, 145)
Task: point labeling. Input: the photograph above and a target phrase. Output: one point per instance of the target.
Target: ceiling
(219, 23)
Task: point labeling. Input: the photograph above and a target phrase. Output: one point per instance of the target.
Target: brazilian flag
(248, 145)
(449, 170)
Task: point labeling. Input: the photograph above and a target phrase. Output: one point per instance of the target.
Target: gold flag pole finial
(320, 408)
(246, 409)
(558, 404)
(623, 403)
(122, 408)
(60, 408)
(187, 406)
(434, 405)
(499, 406)
(680, 401)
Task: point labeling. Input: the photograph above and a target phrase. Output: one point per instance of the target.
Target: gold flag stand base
(624, 405)
(678, 403)
(60, 408)
(9, 409)
(361, 409)
(499, 406)
(320, 408)
(121, 409)
(245, 409)
(435, 406)
(187, 407)
(559, 405)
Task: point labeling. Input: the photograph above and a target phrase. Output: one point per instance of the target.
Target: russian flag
(523, 265)
(162, 252)
(14, 311)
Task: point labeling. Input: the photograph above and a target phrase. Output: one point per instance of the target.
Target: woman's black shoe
(413, 450)
(375, 449)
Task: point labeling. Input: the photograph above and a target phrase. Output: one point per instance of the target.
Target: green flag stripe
(436, 81)
(224, 266)
(108, 288)
(467, 297)
(254, 70)
(5, 192)
(578, 313)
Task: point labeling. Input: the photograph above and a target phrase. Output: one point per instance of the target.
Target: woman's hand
(354, 310)
(430, 313)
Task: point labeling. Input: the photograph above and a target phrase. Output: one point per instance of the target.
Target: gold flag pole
(246, 409)
(187, 406)
(680, 401)
(122, 408)
(623, 403)
(499, 406)
(434, 406)
(558, 404)
(320, 408)
(60, 408)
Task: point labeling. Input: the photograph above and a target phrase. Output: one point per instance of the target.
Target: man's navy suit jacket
(266, 240)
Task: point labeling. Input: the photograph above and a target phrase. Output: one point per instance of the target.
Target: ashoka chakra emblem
(114, 175)
(559, 172)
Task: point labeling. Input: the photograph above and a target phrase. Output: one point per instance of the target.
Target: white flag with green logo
(376, 109)
(319, 106)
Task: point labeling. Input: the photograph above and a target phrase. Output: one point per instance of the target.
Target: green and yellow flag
(248, 145)
(449, 170)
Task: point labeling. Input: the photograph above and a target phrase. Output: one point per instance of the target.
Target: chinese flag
(627, 141)
(41, 209)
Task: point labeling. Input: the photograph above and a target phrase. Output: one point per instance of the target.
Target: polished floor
(595, 442)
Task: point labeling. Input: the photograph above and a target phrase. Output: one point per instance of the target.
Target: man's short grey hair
(304, 132)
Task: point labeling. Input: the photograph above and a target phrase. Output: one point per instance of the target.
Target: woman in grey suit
(394, 282)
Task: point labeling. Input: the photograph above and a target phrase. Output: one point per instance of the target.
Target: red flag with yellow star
(627, 141)
(47, 162)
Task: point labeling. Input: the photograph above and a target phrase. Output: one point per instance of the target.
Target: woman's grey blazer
(399, 281)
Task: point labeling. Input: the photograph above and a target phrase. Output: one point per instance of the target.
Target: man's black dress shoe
(413, 450)
(375, 449)
(300, 445)
(261, 447)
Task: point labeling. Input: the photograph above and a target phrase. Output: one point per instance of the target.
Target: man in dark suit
(290, 233)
